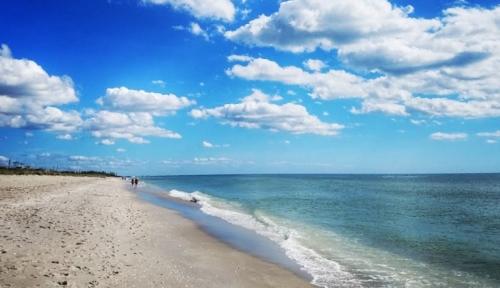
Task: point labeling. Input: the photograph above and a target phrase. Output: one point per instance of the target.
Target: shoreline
(235, 236)
(93, 232)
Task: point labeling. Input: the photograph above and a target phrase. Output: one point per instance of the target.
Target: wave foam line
(325, 272)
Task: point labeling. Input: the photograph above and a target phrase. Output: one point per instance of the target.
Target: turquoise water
(365, 230)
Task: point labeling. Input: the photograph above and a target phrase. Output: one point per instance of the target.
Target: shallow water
(365, 230)
(241, 238)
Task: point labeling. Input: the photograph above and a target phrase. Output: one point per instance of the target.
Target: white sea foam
(332, 259)
(181, 195)
(325, 272)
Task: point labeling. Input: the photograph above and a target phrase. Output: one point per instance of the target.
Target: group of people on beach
(134, 181)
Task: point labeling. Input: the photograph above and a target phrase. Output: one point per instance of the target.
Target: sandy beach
(92, 232)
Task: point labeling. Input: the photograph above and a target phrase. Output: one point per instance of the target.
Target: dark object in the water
(194, 200)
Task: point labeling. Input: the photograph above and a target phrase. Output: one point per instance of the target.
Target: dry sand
(92, 232)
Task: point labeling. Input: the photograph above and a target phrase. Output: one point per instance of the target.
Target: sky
(160, 87)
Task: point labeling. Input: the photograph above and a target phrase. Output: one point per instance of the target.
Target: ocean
(364, 230)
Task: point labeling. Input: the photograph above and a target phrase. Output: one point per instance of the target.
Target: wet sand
(58, 231)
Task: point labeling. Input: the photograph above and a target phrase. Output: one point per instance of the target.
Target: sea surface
(364, 230)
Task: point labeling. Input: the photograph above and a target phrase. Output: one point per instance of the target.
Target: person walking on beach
(136, 181)
(132, 181)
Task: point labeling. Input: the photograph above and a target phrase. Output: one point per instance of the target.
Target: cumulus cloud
(134, 126)
(129, 114)
(28, 96)
(314, 65)
(125, 99)
(215, 9)
(196, 29)
(441, 136)
(329, 85)
(454, 108)
(257, 111)
(386, 107)
(23, 79)
(304, 25)
(53, 119)
(376, 34)
(441, 67)
(395, 95)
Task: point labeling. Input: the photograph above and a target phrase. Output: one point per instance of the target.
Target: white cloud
(26, 81)
(441, 136)
(381, 106)
(107, 142)
(214, 9)
(394, 95)
(28, 96)
(196, 29)
(160, 83)
(492, 135)
(256, 111)
(207, 144)
(129, 114)
(120, 150)
(376, 34)
(125, 99)
(330, 85)
(418, 122)
(239, 58)
(304, 25)
(65, 137)
(54, 119)
(495, 134)
(442, 67)
(132, 126)
(314, 65)
(454, 108)
(245, 12)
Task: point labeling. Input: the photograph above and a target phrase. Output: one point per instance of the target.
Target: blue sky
(300, 86)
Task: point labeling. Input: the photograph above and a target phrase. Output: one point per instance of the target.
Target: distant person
(132, 181)
(136, 181)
